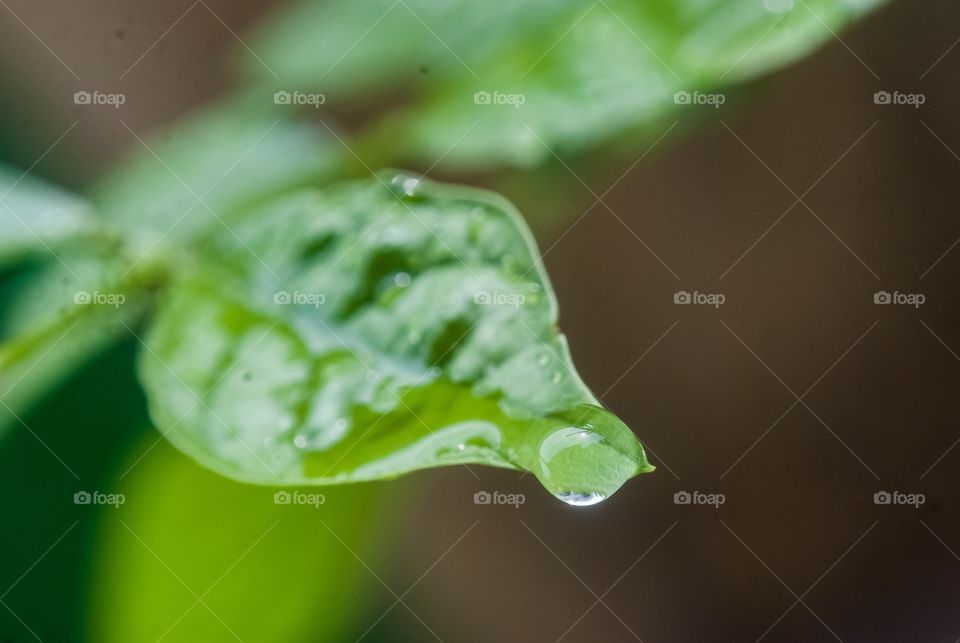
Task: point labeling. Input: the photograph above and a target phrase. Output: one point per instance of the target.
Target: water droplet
(556, 377)
(300, 441)
(402, 279)
(578, 499)
(414, 336)
(410, 185)
(340, 425)
(543, 360)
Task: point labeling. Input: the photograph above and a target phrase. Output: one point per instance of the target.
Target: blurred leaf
(35, 217)
(44, 545)
(58, 316)
(190, 556)
(569, 75)
(623, 67)
(385, 325)
(193, 175)
(354, 48)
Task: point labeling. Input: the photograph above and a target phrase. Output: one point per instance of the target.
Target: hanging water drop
(580, 499)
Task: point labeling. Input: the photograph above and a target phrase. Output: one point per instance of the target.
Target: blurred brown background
(713, 392)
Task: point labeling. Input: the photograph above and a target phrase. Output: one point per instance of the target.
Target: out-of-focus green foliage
(189, 178)
(59, 315)
(36, 218)
(371, 329)
(515, 83)
(190, 556)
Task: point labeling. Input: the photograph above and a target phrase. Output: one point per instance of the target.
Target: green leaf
(617, 72)
(58, 316)
(385, 325)
(352, 48)
(572, 75)
(193, 176)
(35, 217)
(283, 573)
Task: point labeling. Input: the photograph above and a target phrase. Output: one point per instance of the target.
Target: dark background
(704, 388)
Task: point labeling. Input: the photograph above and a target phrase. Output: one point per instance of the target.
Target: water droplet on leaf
(579, 499)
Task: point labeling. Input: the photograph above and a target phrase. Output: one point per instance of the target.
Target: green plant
(356, 332)
(303, 330)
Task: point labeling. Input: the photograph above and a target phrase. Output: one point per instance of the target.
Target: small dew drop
(576, 499)
(408, 184)
(556, 377)
(402, 279)
(543, 360)
(340, 425)
(300, 441)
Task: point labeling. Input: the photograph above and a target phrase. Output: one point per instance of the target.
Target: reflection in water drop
(575, 499)
(560, 455)
(566, 438)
